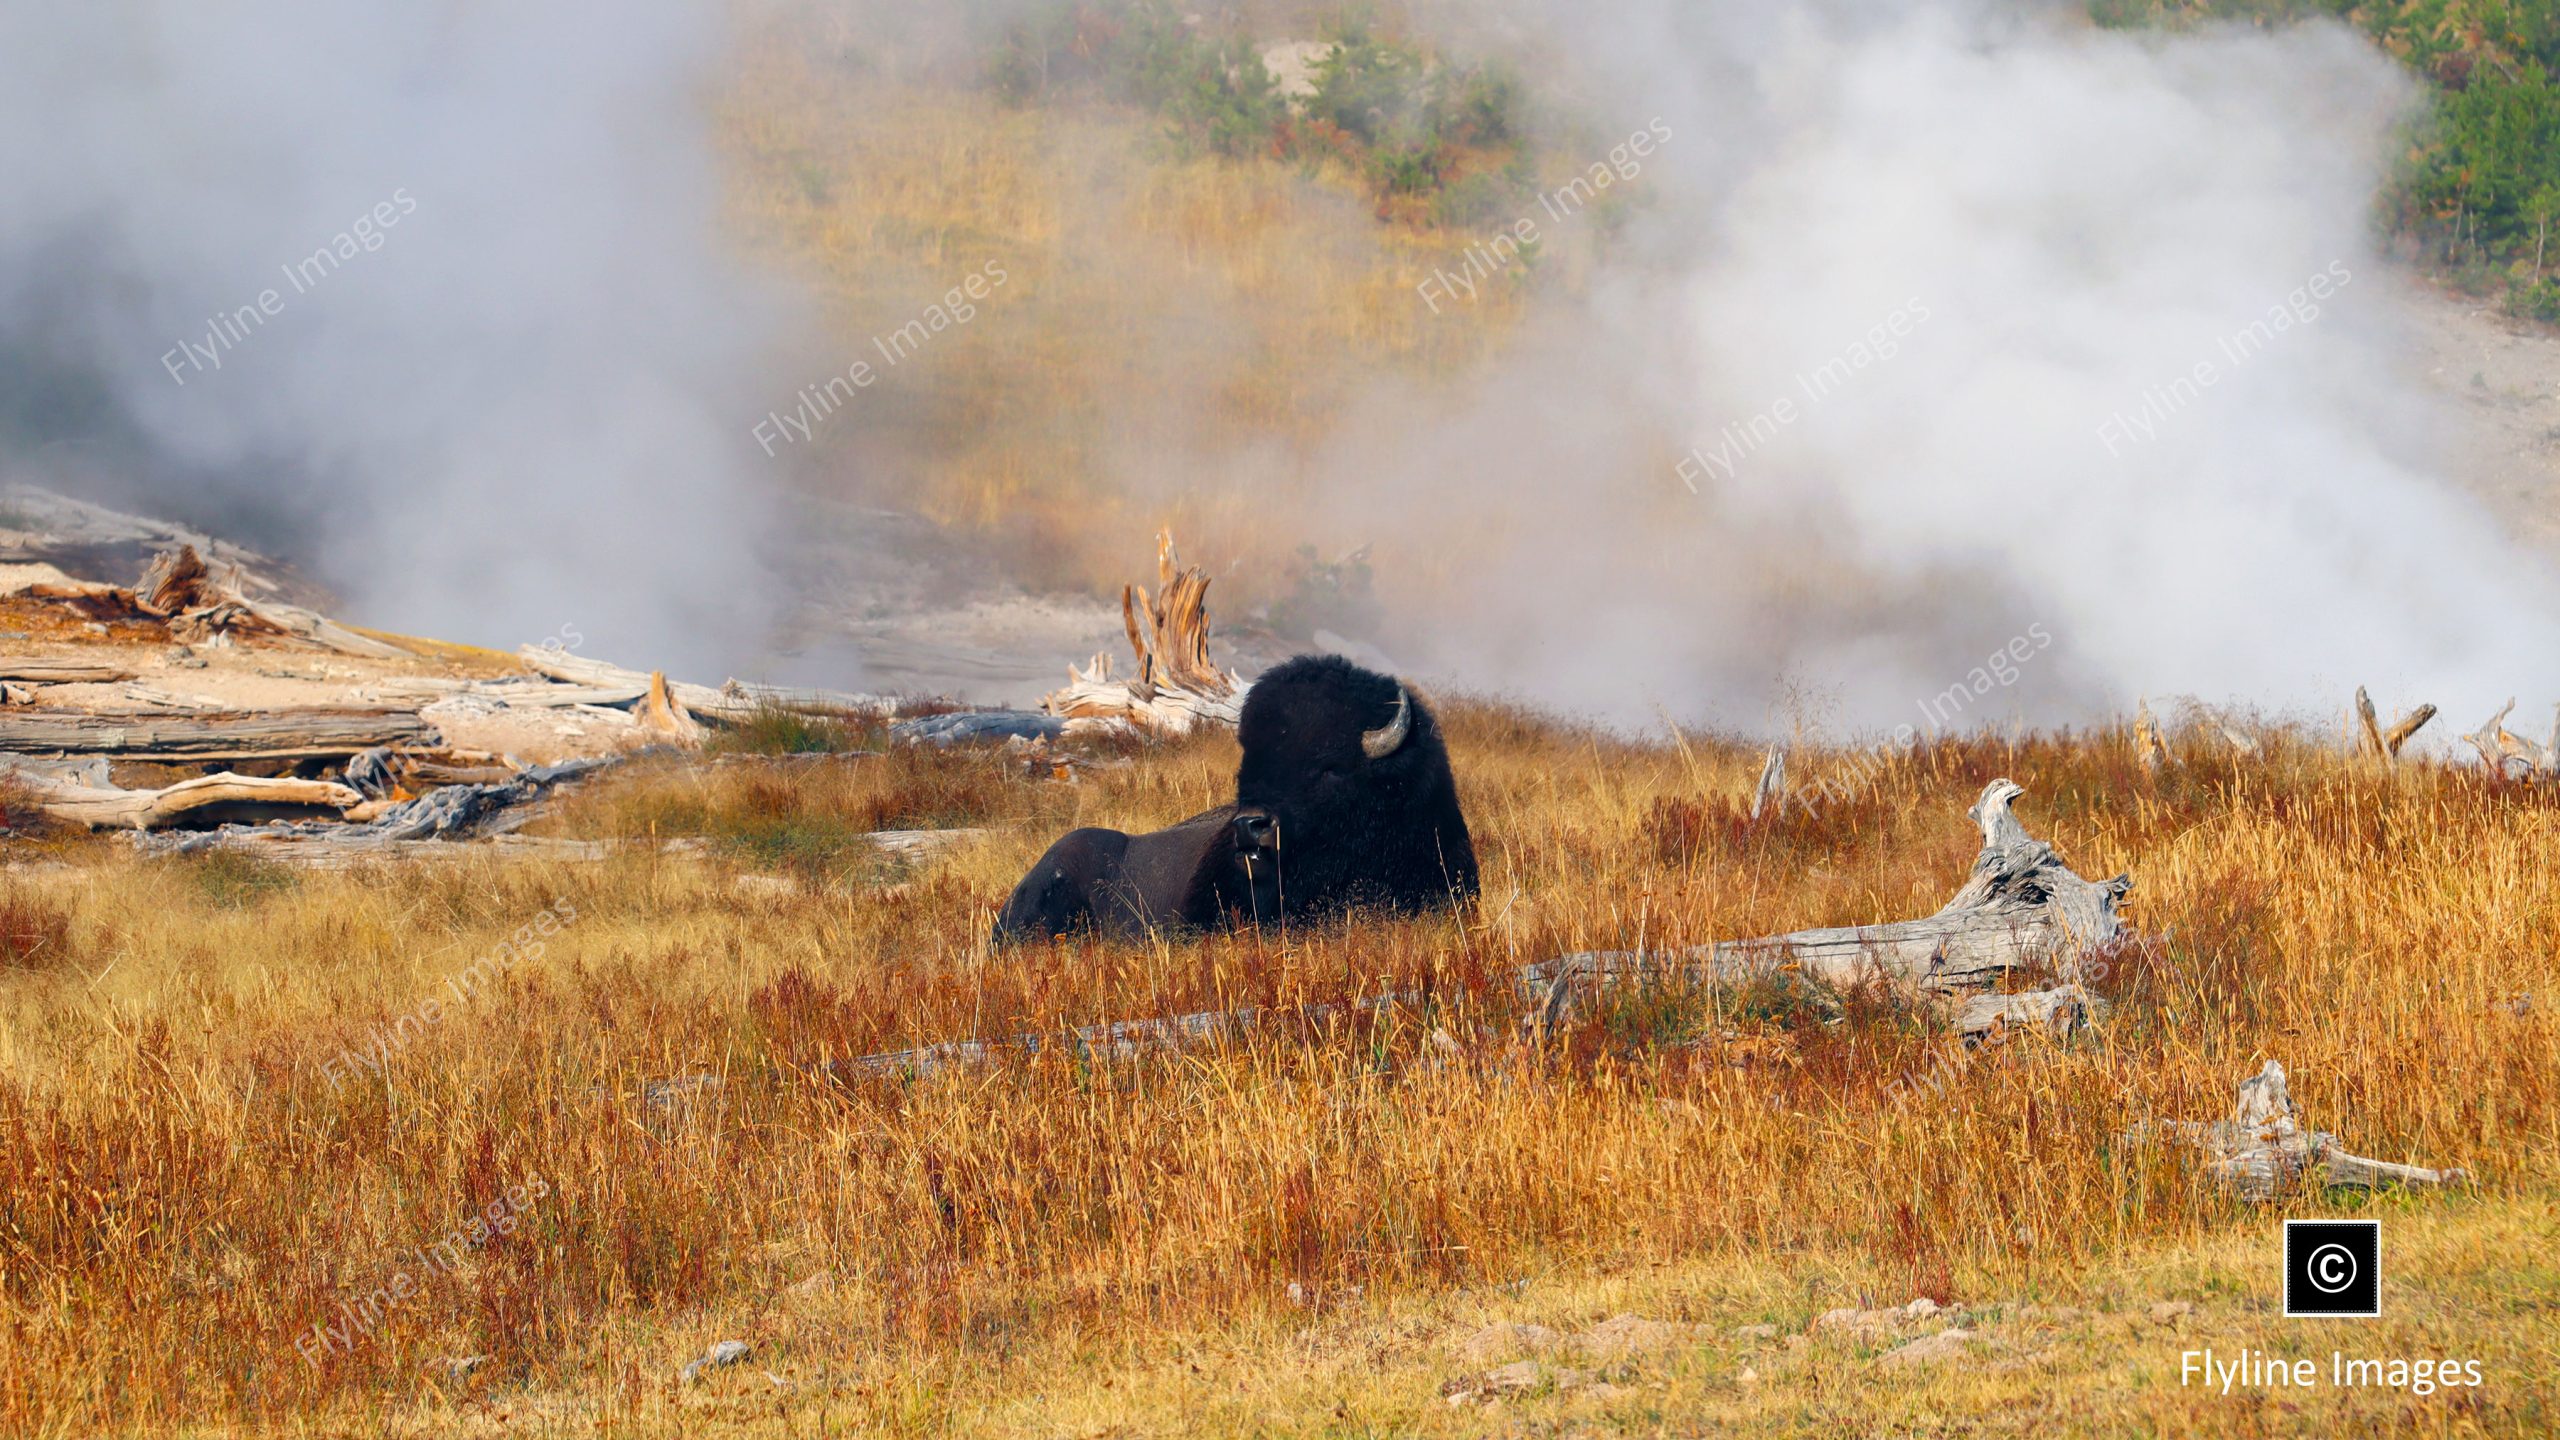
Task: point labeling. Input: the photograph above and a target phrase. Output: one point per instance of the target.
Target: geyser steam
(2149, 401)
(455, 264)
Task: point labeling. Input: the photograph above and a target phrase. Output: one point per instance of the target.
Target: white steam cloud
(2051, 227)
(520, 403)
(507, 397)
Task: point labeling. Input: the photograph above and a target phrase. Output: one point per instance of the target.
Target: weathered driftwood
(2022, 910)
(290, 622)
(179, 589)
(965, 727)
(318, 847)
(103, 807)
(2263, 1152)
(736, 700)
(1176, 685)
(2058, 1010)
(2378, 742)
(662, 714)
(2510, 755)
(302, 847)
(2149, 746)
(90, 770)
(47, 670)
(456, 812)
(1771, 792)
(220, 735)
(385, 774)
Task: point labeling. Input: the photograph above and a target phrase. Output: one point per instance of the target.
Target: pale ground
(2500, 381)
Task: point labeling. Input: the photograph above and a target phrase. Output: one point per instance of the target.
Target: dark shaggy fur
(1352, 830)
(1317, 825)
(1211, 869)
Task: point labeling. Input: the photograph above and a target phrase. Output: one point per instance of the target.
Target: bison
(1343, 798)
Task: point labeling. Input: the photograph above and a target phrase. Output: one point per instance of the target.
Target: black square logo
(2333, 1267)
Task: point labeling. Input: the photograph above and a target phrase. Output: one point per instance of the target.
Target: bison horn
(1382, 742)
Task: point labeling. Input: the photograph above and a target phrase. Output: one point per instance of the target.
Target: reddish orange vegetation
(199, 1163)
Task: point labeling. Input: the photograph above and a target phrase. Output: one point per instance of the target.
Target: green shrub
(771, 731)
(1379, 104)
(235, 881)
(1371, 89)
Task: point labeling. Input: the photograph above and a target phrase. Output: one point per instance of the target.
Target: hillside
(1220, 337)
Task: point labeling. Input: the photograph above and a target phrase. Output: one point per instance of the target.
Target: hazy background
(531, 406)
(522, 410)
(2084, 214)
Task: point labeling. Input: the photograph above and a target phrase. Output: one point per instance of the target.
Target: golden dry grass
(1162, 317)
(194, 1172)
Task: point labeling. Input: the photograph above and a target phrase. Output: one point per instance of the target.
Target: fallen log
(963, 727)
(455, 812)
(736, 700)
(293, 623)
(86, 539)
(89, 770)
(2022, 910)
(1176, 685)
(108, 808)
(219, 735)
(46, 671)
(2263, 1152)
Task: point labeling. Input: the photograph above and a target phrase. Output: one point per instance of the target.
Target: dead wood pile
(2022, 911)
(454, 812)
(200, 606)
(594, 682)
(2510, 756)
(1175, 684)
(2263, 1152)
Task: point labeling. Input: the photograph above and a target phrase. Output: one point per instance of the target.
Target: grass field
(230, 1113)
(1174, 334)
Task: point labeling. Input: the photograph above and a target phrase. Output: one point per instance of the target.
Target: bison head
(1345, 780)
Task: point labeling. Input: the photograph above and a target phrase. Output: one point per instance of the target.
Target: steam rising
(2085, 217)
(512, 409)
(525, 406)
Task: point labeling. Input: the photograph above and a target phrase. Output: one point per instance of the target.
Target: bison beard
(1343, 798)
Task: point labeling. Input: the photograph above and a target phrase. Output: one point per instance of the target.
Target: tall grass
(193, 1174)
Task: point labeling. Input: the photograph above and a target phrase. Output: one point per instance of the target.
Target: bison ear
(1384, 741)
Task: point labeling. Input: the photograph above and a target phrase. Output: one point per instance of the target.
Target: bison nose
(1256, 830)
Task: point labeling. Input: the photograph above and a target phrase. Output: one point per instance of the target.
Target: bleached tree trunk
(108, 808)
(211, 735)
(2020, 910)
(1176, 685)
(2263, 1150)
